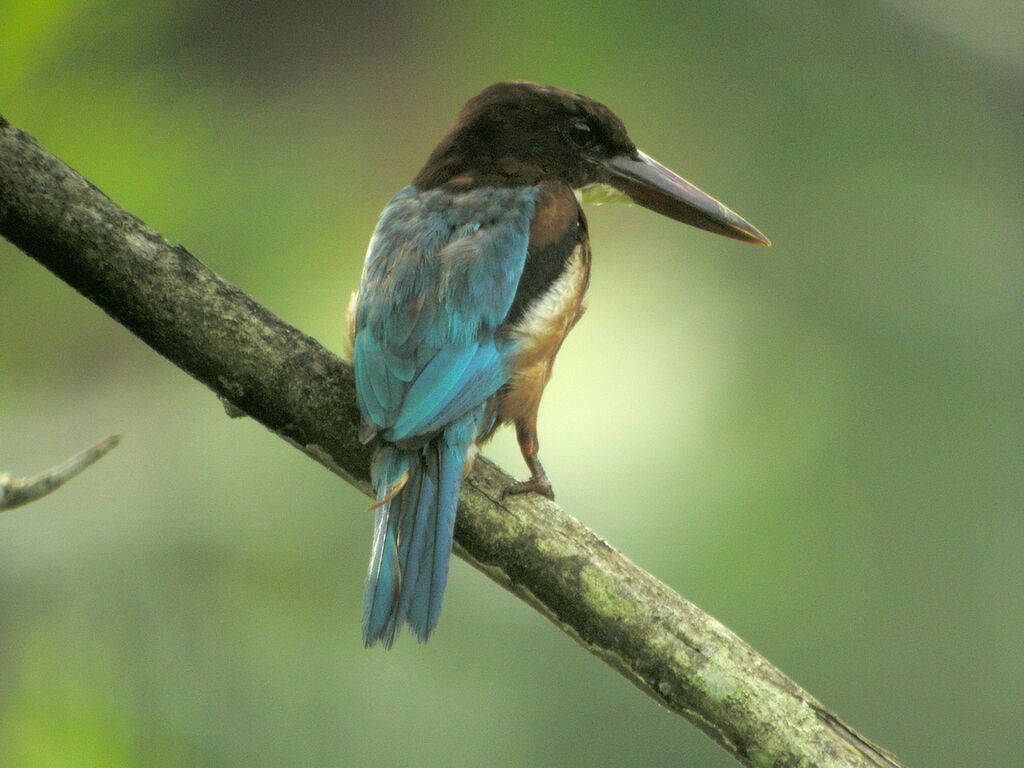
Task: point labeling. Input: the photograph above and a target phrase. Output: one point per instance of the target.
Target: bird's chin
(602, 194)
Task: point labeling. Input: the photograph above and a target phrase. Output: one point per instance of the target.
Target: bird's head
(515, 133)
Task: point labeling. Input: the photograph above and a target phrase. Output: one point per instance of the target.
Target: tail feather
(381, 580)
(391, 471)
(433, 576)
(412, 541)
(413, 546)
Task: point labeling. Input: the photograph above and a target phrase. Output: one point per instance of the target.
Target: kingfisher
(473, 277)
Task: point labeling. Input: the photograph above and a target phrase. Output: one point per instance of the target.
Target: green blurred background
(821, 443)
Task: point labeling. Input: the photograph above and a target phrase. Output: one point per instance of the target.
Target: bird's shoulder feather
(440, 275)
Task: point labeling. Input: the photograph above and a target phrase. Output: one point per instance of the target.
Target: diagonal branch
(674, 652)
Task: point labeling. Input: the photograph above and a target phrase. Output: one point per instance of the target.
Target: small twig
(16, 493)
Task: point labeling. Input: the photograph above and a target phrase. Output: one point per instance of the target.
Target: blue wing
(440, 275)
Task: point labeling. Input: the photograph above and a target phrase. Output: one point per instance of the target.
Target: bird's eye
(580, 134)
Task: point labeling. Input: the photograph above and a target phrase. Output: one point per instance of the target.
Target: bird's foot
(539, 485)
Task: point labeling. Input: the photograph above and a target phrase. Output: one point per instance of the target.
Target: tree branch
(17, 493)
(666, 646)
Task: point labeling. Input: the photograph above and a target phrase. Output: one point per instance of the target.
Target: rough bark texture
(669, 648)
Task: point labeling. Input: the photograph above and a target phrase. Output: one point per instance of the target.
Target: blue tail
(412, 540)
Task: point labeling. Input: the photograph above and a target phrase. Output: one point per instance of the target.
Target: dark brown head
(520, 134)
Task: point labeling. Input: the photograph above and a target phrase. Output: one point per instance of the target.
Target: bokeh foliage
(821, 443)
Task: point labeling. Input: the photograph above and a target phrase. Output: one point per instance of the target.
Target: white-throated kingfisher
(473, 278)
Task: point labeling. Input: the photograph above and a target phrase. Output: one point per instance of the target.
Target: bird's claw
(534, 485)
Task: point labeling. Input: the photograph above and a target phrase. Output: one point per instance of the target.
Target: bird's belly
(539, 334)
